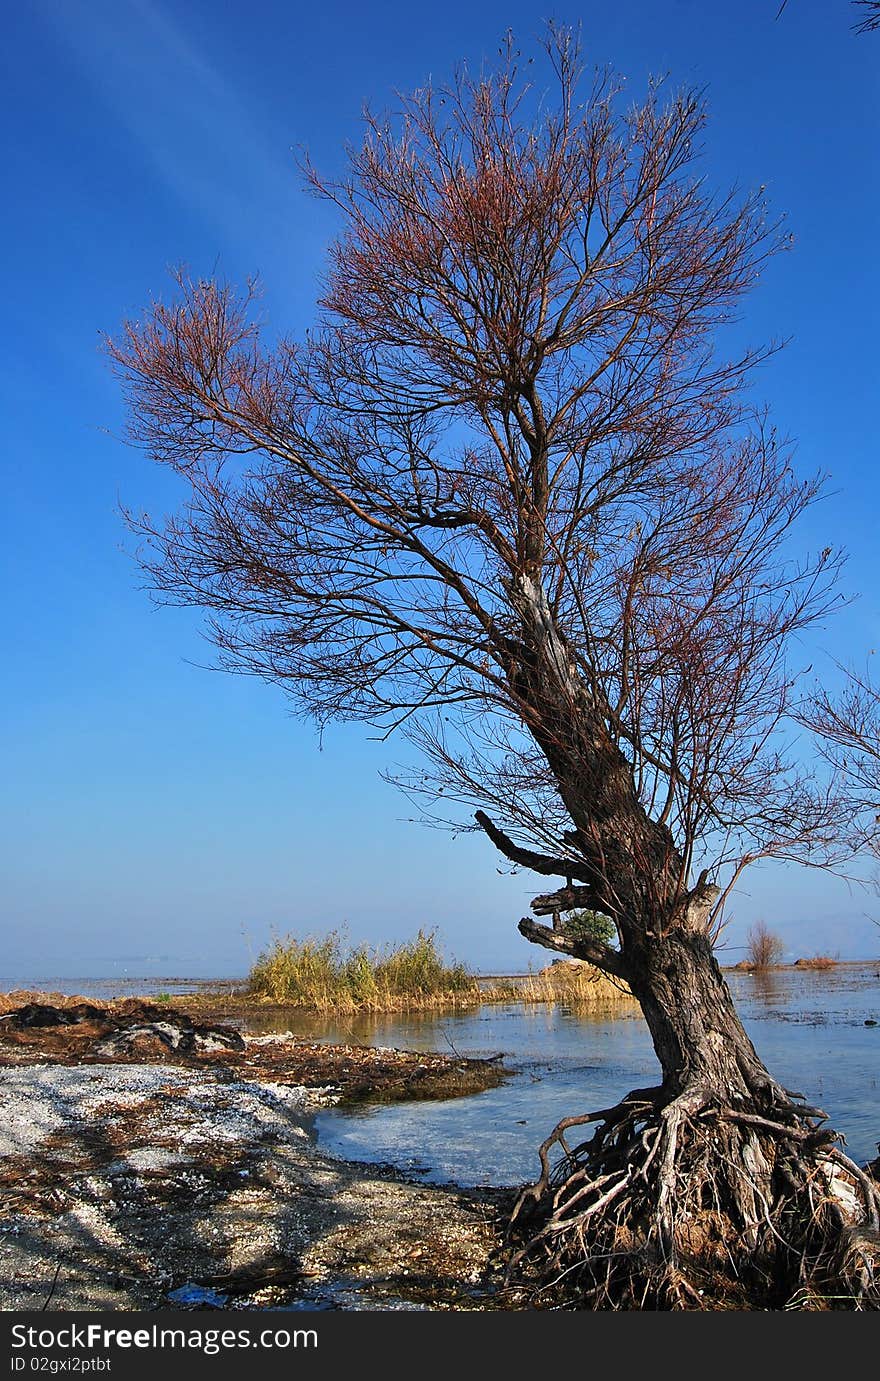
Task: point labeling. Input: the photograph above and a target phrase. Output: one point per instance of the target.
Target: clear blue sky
(159, 817)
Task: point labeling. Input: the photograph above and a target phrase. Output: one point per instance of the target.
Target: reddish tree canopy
(512, 438)
(511, 498)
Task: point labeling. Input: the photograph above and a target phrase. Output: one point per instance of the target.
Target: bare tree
(764, 948)
(509, 499)
(846, 723)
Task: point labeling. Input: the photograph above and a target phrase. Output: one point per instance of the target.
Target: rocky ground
(149, 1162)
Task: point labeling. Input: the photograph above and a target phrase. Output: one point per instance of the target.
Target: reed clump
(576, 983)
(327, 974)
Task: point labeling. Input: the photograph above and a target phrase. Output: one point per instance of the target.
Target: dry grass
(818, 961)
(326, 975)
(576, 983)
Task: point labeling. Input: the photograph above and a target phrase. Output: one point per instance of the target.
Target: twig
(47, 1301)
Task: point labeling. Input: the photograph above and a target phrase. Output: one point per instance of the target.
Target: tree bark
(698, 1037)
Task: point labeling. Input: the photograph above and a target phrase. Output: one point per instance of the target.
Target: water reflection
(808, 1026)
(767, 985)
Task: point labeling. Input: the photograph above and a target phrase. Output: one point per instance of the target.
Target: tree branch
(608, 960)
(565, 899)
(528, 858)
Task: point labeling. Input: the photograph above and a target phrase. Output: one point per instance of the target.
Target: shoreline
(231, 1000)
(133, 985)
(149, 1160)
(158, 1177)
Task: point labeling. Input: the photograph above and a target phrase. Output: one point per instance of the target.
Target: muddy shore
(151, 1161)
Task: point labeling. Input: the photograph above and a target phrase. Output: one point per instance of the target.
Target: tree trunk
(697, 1034)
(718, 1184)
(716, 1189)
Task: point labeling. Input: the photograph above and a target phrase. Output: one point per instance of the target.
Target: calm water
(808, 1027)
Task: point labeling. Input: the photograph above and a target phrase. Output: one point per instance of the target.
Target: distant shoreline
(173, 983)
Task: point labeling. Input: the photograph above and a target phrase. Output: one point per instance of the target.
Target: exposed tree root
(696, 1203)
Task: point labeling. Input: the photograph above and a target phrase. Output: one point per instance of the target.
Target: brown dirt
(355, 1073)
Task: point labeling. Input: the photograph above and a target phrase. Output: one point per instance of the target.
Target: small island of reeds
(326, 974)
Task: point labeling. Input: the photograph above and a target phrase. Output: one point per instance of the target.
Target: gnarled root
(696, 1203)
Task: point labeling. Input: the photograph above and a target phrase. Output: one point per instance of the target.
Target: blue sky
(157, 816)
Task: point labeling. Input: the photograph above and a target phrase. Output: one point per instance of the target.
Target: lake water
(808, 1027)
